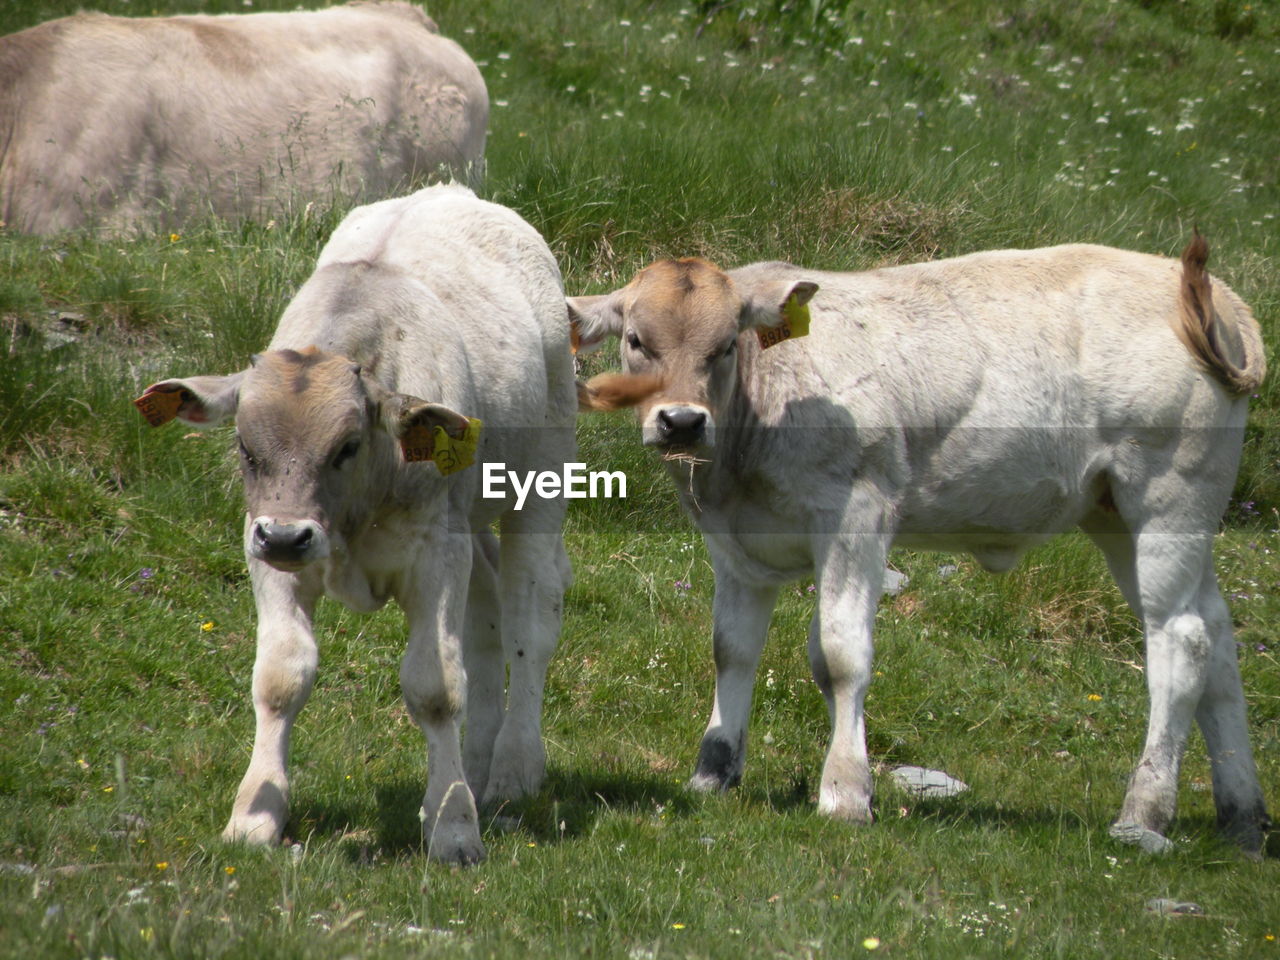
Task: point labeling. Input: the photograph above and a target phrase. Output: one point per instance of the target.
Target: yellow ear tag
(452, 455)
(795, 323)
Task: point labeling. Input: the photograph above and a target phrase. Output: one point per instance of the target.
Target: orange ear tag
(575, 338)
(417, 444)
(160, 406)
(795, 323)
(421, 442)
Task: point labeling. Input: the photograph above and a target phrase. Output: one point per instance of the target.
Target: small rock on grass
(894, 582)
(1174, 908)
(927, 783)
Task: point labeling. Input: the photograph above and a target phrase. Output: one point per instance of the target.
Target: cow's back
(125, 118)
(1064, 335)
(993, 391)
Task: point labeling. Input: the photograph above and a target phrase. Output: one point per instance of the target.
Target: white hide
(982, 404)
(124, 122)
(442, 297)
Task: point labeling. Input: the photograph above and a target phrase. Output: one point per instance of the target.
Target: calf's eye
(348, 450)
(633, 341)
(724, 354)
(249, 460)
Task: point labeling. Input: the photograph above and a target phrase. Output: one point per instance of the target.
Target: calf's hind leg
(1242, 812)
(486, 670)
(1191, 672)
(533, 574)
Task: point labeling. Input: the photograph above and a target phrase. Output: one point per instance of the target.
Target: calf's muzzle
(287, 545)
(679, 425)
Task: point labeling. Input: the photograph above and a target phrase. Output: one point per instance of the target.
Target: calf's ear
(199, 401)
(592, 319)
(414, 422)
(418, 414)
(768, 303)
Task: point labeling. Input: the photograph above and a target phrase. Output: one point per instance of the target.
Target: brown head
(316, 437)
(679, 321)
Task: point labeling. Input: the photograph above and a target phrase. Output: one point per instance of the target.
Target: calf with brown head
(680, 322)
(979, 404)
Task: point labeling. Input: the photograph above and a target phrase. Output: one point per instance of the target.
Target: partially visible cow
(120, 122)
(982, 403)
(424, 314)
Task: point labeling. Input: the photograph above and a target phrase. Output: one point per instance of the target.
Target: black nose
(282, 541)
(681, 425)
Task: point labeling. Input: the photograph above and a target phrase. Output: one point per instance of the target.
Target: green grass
(835, 136)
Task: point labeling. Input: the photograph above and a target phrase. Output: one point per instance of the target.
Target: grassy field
(838, 137)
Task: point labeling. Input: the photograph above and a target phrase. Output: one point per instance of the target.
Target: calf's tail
(1228, 346)
(613, 391)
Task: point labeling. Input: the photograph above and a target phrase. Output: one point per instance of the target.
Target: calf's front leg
(433, 681)
(850, 578)
(283, 673)
(740, 613)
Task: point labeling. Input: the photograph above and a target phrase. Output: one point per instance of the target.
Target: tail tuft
(1229, 348)
(614, 391)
